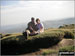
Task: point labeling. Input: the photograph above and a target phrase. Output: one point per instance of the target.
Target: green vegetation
(47, 52)
(0, 35)
(70, 48)
(65, 26)
(68, 34)
(67, 48)
(16, 43)
(33, 43)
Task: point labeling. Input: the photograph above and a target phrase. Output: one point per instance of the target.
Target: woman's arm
(41, 28)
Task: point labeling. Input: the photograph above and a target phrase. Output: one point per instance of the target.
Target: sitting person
(39, 26)
(31, 29)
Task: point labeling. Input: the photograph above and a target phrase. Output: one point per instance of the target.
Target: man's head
(32, 19)
(38, 20)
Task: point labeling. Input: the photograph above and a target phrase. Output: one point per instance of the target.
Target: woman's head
(37, 20)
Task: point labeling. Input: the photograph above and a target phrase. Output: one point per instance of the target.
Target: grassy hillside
(16, 44)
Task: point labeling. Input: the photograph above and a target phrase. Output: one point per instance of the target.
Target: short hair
(32, 18)
(37, 19)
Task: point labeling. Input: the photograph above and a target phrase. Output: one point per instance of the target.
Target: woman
(39, 26)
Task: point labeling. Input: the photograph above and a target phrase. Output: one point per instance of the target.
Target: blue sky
(4, 3)
(15, 12)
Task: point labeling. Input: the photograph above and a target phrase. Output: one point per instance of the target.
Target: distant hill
(57, 23)
(47, 24)
(18, 28)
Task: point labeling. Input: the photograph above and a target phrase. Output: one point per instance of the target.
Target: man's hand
(31, 28)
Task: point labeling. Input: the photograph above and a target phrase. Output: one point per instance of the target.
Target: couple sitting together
(34, 28)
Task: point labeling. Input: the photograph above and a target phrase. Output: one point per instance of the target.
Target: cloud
(45, 10)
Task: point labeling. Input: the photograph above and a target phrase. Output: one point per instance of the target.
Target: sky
(16, 12)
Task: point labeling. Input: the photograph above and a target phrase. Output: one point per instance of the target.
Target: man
(31, 29)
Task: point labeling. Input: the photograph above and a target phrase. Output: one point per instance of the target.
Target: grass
(48, 34)
(47, 52)
(47, 31)
(67, 26)
(16, 43)
(68, 48)
(0, 35)
(68, 34)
